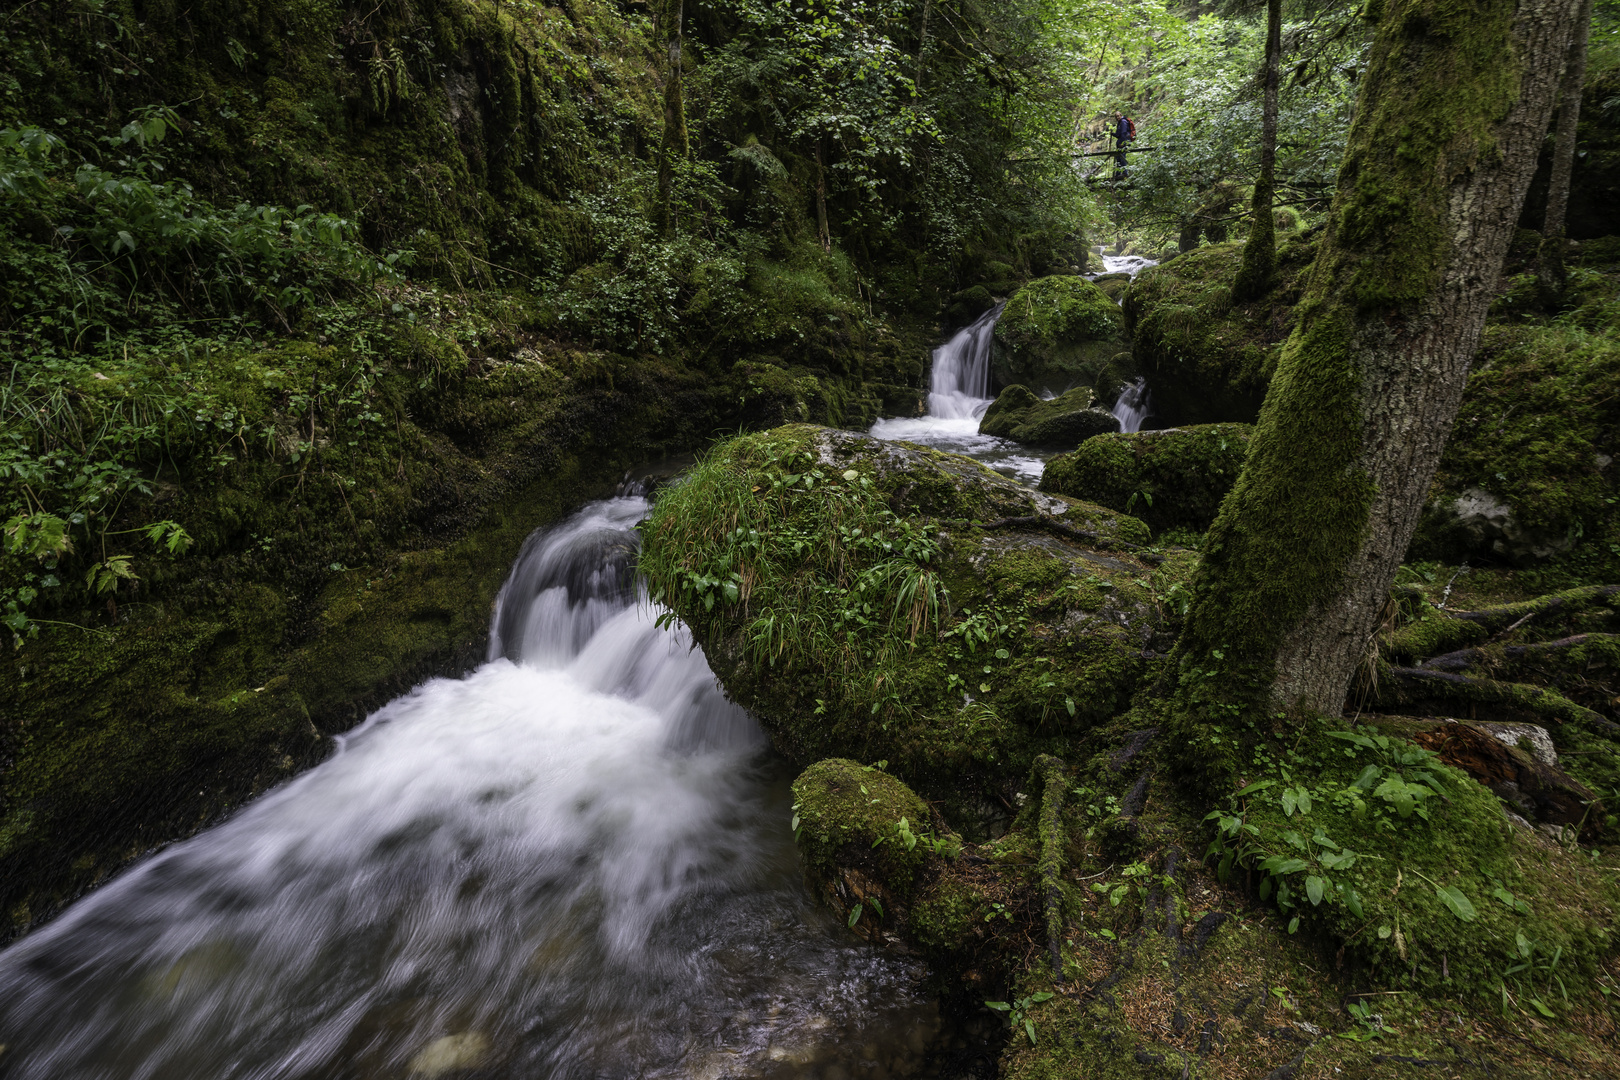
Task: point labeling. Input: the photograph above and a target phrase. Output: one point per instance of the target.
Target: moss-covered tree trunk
(674, 143)
(1260, 252)
(1550, 261)
(1298, 564)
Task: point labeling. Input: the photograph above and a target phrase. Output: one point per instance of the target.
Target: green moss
(1536, 430)
(1066, 420)
(849, 816)
(1208, 360)
(1056, 332)
(866, 616)
(1175, 478)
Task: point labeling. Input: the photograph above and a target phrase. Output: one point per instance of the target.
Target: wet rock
(451, 1054)
(1056, 333)
(1477, 521)
(1067, 420)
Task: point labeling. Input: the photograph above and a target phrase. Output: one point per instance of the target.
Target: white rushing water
(1133, 405)
(958, 390)
(959, 393)
(574, 862)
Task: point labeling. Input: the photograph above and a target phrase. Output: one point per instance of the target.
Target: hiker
(1124, 132)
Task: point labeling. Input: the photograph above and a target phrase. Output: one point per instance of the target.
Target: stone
(1058, 332)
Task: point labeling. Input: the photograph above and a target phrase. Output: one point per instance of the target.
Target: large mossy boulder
(884, 601)
(1530, 471)
(1175, 478)
(1207, 359)
(1066, 420)
(1059, 332)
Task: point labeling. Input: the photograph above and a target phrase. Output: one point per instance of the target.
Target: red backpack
(1130, 128)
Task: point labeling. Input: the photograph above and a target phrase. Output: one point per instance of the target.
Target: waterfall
(959, 383)
(1133, 405)
(574, 862)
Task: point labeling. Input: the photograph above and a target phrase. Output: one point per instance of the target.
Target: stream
(959, 393)
(575, 862)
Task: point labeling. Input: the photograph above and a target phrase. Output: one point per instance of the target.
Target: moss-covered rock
(866, 840)
(1206, 359)
(1055, 333)
(1066, 420)
(1174, 478)
(1530, 468)
(878, 600)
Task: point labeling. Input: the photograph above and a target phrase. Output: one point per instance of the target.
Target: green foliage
(839, 574)
(1018, 1012)
(1199, 106)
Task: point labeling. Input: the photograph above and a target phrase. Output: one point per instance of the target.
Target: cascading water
(958, 389)
(1133, 405)
(959, 384)
(574, 862)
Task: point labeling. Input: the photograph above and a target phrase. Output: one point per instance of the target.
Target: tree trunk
(1550, 260)
(1298, 565)
(1260, 253)
(823, 230)
(674, 143)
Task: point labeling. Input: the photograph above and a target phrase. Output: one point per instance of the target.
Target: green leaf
(1029, 1029)
(1352, 901)
(999, 1006)
(1289, 803)
(854, 916)
(851, 474)
(1044, 995)
(1459, 904)
(1293, 924)
(1315, 887)
(1258, 785)
(1540, 1008)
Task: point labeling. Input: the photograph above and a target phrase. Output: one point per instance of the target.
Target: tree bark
(1260, 252)
(674, 143)
(1298, 565)
(823, 229)
(1550, 259)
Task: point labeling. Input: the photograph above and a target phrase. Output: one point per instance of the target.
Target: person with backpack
(1124, 132)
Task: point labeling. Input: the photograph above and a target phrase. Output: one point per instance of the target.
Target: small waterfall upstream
(1133, 405)
(959, 393)
(574, 862)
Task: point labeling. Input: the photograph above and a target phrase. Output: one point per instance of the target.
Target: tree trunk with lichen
(1298, 565)
(675, 142)
(1260, 252)
(1550, 273)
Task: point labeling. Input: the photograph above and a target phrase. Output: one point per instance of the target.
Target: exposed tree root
(1439, 631)
(1054, 774)
(1403, 685)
